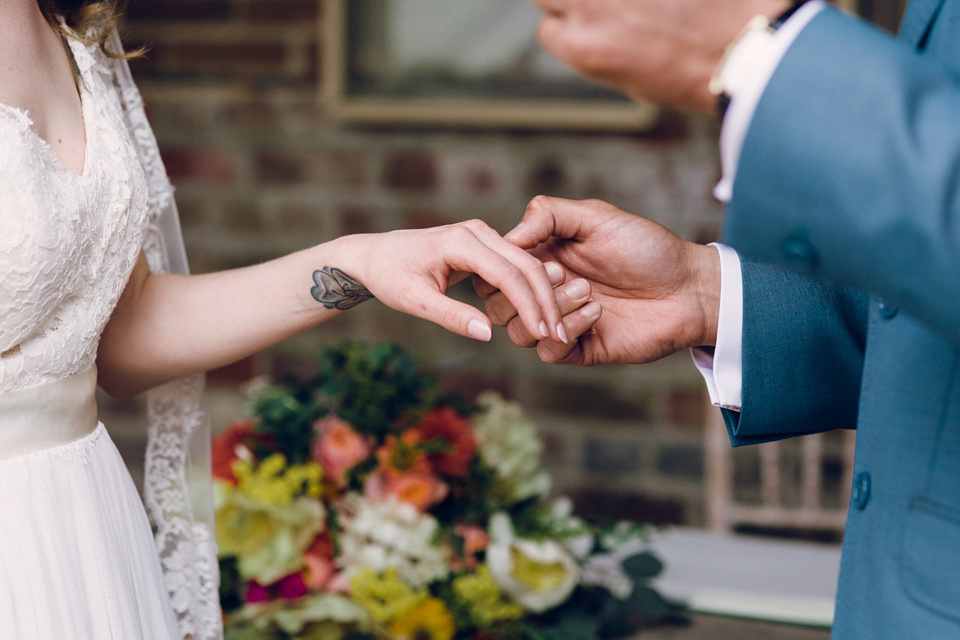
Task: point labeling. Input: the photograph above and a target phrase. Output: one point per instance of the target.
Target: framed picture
(462, 63)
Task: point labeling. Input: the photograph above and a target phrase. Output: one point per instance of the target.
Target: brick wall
(233, 90)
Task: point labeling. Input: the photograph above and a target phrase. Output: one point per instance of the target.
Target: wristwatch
(742, 57)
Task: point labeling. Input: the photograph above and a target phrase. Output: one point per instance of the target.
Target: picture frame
(458, 63)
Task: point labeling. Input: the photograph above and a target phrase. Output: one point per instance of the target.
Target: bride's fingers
(570, 297)
(555, 273)
(501, 310)
(468, 253)
(532, 270)
(578, 323)
(458, 317)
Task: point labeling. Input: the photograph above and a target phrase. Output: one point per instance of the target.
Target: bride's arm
(166, 326)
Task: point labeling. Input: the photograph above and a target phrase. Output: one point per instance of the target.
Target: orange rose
(400, 455)
(421, 490)
(338, 448)
(453, 432)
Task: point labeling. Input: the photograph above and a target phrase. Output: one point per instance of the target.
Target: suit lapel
(918, 19)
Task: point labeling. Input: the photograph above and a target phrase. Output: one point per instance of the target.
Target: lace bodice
(68, 241)
(68, 244)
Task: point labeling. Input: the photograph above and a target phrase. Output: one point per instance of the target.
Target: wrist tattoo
(336, 290)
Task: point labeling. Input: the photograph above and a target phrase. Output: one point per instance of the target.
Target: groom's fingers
(570, 296)
(578, 323)
(547, 217)
(520, 281)
(533, 271)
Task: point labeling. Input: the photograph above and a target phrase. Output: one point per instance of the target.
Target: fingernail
(577, 289)
(554, 272)
(590, 310)
(543, 330)
(562, 333)
(516, 231)
(479, 331)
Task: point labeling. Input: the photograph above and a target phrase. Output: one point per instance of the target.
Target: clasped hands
(629, 290)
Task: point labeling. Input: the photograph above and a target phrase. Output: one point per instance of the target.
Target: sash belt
(48, 415)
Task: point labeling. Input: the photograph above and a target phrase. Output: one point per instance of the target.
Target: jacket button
(799, 254)
(861, 490)
(886, 311)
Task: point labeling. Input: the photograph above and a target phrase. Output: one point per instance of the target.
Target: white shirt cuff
(721, 367)
(743, 105)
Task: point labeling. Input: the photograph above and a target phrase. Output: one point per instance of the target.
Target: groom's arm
(802, 355)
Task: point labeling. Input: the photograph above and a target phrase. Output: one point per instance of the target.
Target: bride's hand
(410, 271)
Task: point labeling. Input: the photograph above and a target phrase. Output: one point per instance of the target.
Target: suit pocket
(930, 564)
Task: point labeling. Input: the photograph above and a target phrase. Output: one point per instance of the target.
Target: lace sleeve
(177, 482)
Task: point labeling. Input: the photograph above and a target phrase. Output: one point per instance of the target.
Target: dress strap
(48, 415)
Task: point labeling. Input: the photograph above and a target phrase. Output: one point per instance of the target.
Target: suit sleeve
(802, 353)
(850, 171)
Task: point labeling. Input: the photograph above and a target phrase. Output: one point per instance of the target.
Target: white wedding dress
(78, 559)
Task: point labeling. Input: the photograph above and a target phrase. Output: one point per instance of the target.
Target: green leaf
(649, 604)
(642, 566)
(572, 623)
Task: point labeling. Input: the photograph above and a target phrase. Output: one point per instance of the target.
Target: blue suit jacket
(847, 207)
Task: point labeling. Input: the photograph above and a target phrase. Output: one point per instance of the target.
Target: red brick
(231, 54)
(548, 177)
(277, 167)
(426, 218)
(250, 113)
(686, 407)
(142, 10)
(200, 165)
(357, 220)
(295, 11)
(411, 171)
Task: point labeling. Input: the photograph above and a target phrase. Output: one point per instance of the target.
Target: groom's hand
(659, 50)
(658, 293)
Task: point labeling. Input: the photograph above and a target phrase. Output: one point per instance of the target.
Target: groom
(840, 149)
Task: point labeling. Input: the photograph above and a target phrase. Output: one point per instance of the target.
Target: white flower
(391, 534)
(538, 574)
(606, 569)
(508, 442)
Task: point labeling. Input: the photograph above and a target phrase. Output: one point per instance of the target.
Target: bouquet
(365, 503)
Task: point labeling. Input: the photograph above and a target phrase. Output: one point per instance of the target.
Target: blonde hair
(89, 20)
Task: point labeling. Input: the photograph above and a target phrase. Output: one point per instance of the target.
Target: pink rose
(475, 540)
(338, 448)
(319, 562)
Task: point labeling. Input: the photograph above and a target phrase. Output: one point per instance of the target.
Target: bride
(89, 247)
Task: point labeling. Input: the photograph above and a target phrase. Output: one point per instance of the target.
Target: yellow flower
(386, 596)
(273, 482)
(428, 621)
(269, 538)
(483, 597)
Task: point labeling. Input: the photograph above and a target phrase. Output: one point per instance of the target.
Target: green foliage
(470, 499)
(374, 388)
(287, 413)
